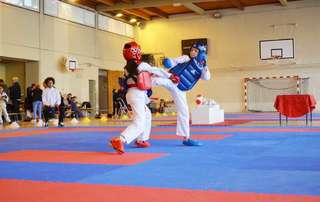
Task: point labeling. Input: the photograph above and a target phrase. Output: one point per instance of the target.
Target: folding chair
(123, 109)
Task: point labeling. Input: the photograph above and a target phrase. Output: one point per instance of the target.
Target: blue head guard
(202, 55)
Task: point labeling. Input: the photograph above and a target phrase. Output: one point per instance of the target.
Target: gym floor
(247, 158)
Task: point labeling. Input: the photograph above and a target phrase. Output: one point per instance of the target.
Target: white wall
(92, 48)
(20, 32)
(47, 40)
(1, 11)
(32, 73)
(234, 46)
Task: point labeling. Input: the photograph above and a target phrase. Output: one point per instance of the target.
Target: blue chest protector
(189, 73)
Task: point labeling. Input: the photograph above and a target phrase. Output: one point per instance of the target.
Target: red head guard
(132, 51)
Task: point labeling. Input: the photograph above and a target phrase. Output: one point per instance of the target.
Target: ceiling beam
(194, 8)
(107, 2)
(146, 3)
(237, 4)
(137, 13)
(283, 2)
(155, 11)
(127, 1)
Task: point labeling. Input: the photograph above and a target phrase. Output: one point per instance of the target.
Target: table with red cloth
(295, 105)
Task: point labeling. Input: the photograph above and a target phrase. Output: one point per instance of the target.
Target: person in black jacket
(62, 110)
(15, 95)
(28, 103)
(122, 94)
(115, 103)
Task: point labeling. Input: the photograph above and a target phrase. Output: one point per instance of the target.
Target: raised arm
(171, 62)
(205, 75)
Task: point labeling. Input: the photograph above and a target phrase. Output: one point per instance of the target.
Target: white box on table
(207, 114)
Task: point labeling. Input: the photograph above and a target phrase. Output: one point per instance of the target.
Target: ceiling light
(141, 24)
(176, 4)
(133, 20)
(216, 15)
(119, 15)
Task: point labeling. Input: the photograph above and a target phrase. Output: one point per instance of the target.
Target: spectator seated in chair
(51, 100)
(74, 108)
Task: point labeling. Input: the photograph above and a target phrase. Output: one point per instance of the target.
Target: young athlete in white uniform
(140, 127)
(4, 98)
(178, 95)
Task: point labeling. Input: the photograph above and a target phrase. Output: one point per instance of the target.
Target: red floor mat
(32, 191)
(56, 130)
(78, 157)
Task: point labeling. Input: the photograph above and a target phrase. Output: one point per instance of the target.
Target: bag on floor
(28, 115)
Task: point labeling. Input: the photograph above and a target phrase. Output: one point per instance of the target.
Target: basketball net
(276, 59)
(74, 69)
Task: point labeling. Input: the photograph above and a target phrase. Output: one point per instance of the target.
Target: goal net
(260, 93)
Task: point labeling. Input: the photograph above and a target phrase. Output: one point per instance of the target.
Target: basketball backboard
(280, 49)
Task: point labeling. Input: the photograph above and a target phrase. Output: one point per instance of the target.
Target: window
(115, 26)
(28, 4)
(89, 18)
(51, 7)
(33, 4)
(86, 17)
(129, 30)
(70, 12)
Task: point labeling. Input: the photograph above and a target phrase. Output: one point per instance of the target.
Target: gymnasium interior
(257, 117)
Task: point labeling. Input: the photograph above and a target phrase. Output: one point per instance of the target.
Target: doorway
(26, 71)
(103, 91)
(92, 94)
(113, 83)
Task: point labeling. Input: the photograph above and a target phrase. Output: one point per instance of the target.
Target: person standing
(3, 105)
(36, 97)
(115, 110)
(5, 87)
(140, 127)
(186, 70)
(138, 82)
(62, 110)
(15, 96)
(28, 102)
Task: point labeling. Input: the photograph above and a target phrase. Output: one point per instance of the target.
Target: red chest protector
(144, 80)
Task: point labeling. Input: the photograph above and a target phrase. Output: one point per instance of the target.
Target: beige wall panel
(1, 28)
(48, 40)
(234, 47)
(63, 36)
(20, 52)
(32, 73)
(76, 82)
(20, 27)
(109, 50)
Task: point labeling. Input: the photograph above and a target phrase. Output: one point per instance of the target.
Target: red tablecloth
(295, 105)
